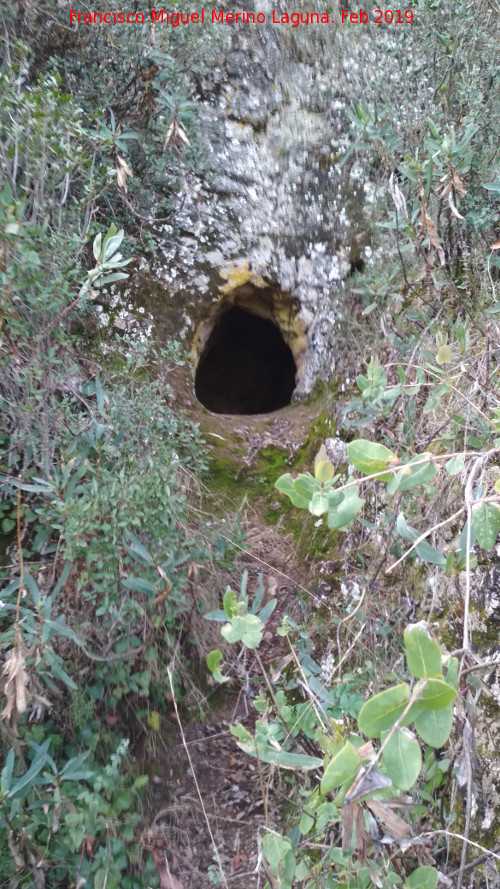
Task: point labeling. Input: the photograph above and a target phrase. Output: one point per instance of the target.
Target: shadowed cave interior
(246, 367)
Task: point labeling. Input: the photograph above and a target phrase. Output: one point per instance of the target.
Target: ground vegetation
(361, 734)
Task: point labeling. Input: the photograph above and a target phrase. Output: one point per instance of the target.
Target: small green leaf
(486, 521)
(455, 465)
(347, 509)
(230, 602)
(410, 476)
(452, 672)
(137, 550)
(218, 615)
(299, 490)
(139, 585)
(7, 771)
(436, 694)
(319, 503)
(342, 767)
(444, 355)
(305, 823)
(434, 726)
(304, 487)
(434, 397)
(425, 877)
(7, 525)
(214, 660)
(289, 760)
(246, 628)
(276, 848)
(323, 469)
(97, 245)
(140, 782)
(423, 654)
(402, 758)
(153, 721)
(370, 457)
(381, 710)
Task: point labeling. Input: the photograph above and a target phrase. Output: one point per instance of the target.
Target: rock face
(278, 215)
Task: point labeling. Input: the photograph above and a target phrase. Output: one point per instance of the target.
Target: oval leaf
(423, 655)
(434, 726)
(436, 694)
(422, 878)
(402, 758)
(455, 465)
(341, 768)
(381, 711)
(486, 521)
(370, 457)
(410, 476)
(444, 355)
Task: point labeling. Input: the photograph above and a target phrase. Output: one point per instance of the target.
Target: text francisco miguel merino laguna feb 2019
(174, 18)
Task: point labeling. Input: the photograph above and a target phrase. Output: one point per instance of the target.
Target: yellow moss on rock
(237, 275)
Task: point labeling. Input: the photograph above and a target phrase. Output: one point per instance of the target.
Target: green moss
(322, 427)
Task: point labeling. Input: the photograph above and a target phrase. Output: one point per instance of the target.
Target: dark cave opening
(246, 367)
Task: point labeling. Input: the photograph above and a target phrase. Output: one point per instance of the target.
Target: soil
(206, 808)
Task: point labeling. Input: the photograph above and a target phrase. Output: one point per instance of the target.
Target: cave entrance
(245, 367)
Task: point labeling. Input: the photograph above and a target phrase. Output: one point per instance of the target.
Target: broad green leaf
(428, 553)
(402, 758)
(247, 629)
(324, 471)
(436, 694)
(304, 487)
(104, 879)
(342, 767)
(425, 877)
(276, 847)
(370, 457)
(319, 503)
(434, 726)
(455, 465)
(423, 654)
(410, 476)
(112, 243)
(486, 521)
(285, 485)
(299, 490)
(347, 509)
(218, 615)
(381, 711)
(305, 823)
